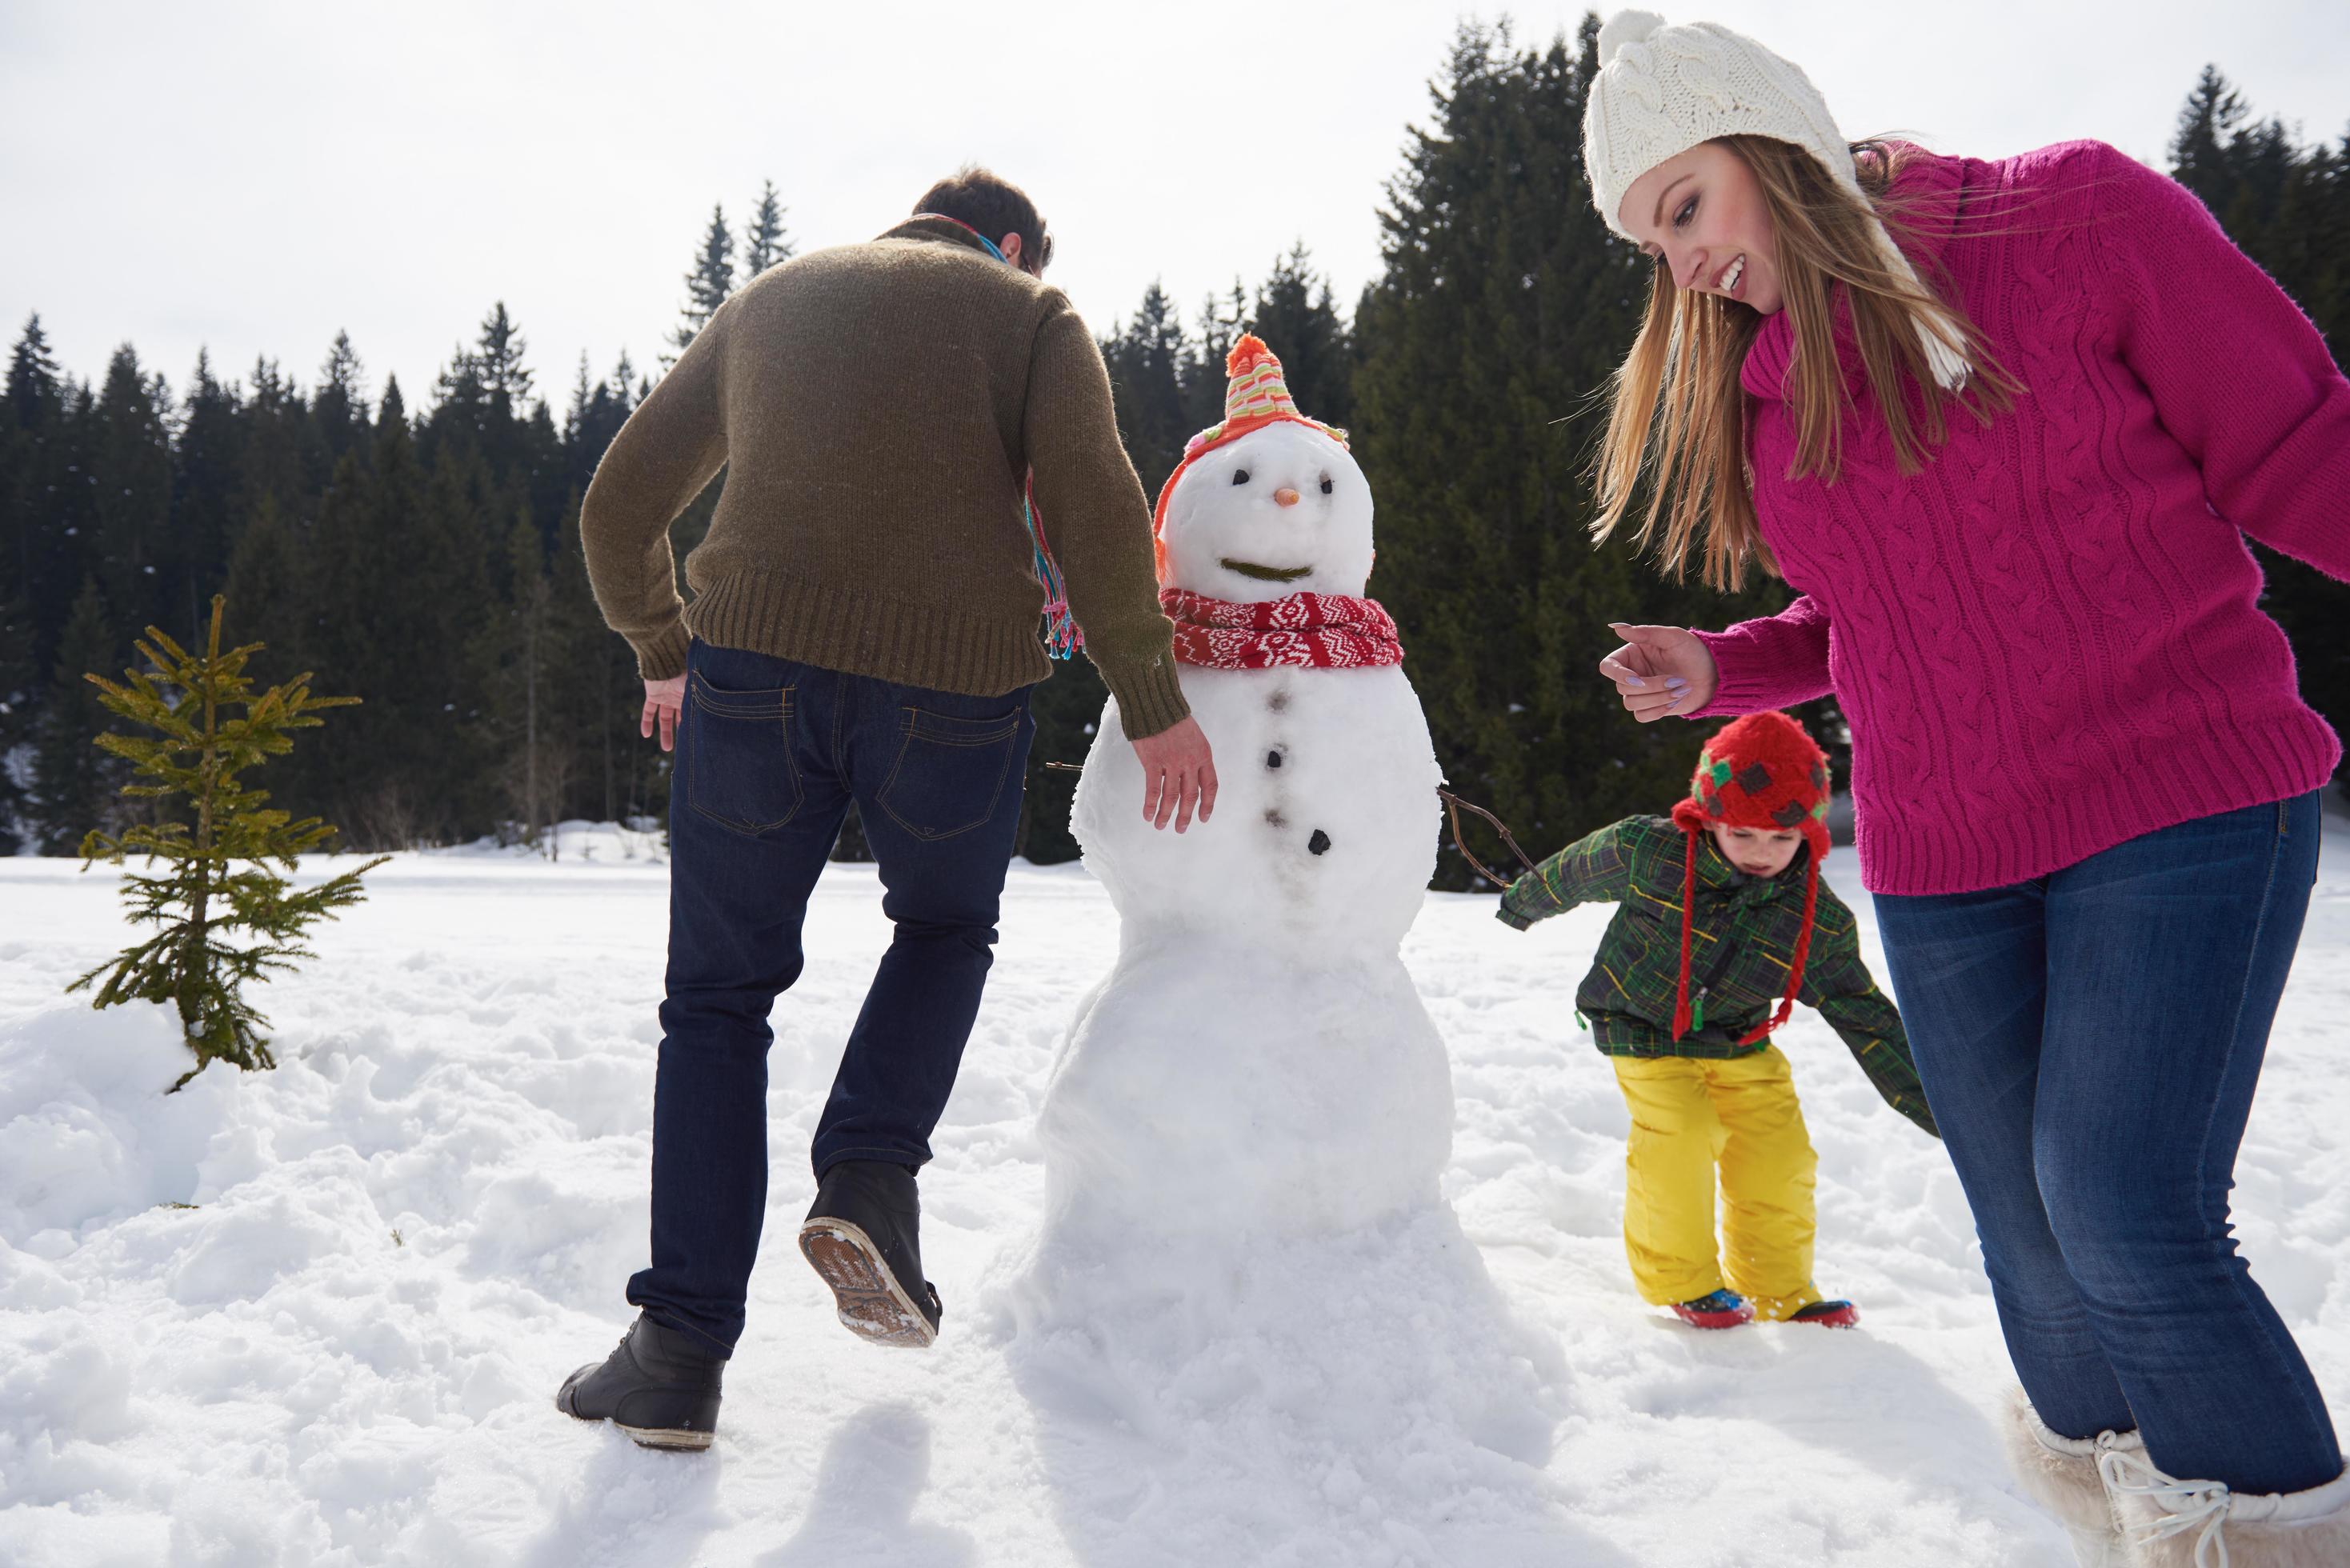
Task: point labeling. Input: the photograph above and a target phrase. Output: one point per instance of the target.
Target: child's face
(1755, 852)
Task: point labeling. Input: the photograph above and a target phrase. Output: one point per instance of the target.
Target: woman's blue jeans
(2090, 1041)
(769, 754)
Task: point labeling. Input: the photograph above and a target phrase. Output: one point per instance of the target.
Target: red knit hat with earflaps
(1765, 773)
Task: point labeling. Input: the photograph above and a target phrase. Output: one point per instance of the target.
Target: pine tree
(765, 243)
(206, 460)
(599, 695)
(1222, 322)
(1298, 319)
(340, 407)
(17, 691)
(32, 385)
(73, 782)
(289, 456)
(597, 414)
(201, 900)
(132, 493)
(707, 285)
(266, 570)
(497, 358)
(397, 589)
(525, 650)
(2198, 148)
(1147, 357)
(32, 528)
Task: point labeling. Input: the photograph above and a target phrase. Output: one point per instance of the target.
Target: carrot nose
(1284, 497)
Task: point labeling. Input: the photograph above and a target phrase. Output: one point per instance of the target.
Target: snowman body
(1258, 1059)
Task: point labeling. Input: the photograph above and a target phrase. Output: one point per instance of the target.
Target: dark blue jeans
(769, 755)
(2090, 1041)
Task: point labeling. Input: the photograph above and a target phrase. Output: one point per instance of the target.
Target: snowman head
(1267, 503)
(1282, 510)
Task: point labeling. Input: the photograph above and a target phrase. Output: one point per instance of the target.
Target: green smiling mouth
(1265, 574)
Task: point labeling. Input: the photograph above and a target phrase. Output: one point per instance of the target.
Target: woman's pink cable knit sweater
(2048, 640)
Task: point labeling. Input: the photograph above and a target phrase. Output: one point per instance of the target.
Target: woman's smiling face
(1703, 215)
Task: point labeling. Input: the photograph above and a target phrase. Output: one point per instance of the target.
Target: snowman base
(1288, 1398)
(1224, 1089)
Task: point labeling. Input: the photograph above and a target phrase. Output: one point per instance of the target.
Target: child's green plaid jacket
(1742, 937)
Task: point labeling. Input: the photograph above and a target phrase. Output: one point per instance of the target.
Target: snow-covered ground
(318, 1315)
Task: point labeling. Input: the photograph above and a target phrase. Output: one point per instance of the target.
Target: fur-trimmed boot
(2172, 1523)
(2061, 1475)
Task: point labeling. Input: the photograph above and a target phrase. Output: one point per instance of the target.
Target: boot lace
(2189, 1505)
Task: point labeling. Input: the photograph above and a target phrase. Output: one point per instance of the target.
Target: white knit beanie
(1662, 90)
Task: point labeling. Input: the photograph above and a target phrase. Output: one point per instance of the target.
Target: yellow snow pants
(1688, 1115)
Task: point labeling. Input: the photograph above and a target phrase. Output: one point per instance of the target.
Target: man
(864, 628)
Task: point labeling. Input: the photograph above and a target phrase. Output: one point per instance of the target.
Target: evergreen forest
(419, 547)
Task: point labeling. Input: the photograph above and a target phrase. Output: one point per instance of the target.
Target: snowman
(1258, 1060)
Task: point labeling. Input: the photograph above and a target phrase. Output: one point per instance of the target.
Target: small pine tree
(189, 962)
(497, 358)
(763, 242)
(707, 285)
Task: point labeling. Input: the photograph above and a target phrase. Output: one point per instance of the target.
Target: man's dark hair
(996, 207)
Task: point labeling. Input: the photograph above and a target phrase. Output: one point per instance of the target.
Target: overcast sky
(252, 177)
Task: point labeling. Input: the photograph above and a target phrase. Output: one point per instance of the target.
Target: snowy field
(318, 1315)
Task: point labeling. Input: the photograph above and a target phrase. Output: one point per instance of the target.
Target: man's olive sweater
(877, 409)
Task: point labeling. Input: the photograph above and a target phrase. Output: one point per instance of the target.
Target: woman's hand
(1660, 669)
(662, 701)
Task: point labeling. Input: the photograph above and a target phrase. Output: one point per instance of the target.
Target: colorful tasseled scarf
(1319, 631)
(1062, 636)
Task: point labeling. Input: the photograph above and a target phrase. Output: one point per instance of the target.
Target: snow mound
(1363, 1396)
(88, 1133)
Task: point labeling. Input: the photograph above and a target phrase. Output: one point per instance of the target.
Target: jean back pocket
(737, 756)
(950, 772)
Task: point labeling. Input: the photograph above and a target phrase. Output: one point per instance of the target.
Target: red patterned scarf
(1320, 631)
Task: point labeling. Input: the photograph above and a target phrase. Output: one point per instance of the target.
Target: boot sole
(871, 1302)
(1849, 1317)
(667, 1438)
(1713, 1320)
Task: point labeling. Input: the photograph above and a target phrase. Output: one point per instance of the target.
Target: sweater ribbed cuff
(1738, 688)
(662, 657)
(1149, 698)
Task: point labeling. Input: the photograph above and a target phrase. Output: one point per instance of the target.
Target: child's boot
(2061, 1475)
(2170, 1524)
(1828, 1314)
(1804, 1305)
(1717, 1309)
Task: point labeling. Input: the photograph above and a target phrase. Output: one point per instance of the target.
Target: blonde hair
(1679, 413)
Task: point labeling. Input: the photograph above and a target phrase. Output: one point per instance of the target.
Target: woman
(2000, 423)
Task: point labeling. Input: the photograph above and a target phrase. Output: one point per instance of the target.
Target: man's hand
(1178, 771)
(1660, 669)
(662, 701)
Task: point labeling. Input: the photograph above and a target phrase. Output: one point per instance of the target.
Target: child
(1723, 914)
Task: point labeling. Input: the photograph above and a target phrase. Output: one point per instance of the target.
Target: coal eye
(1240, 476)
(1325, 484)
